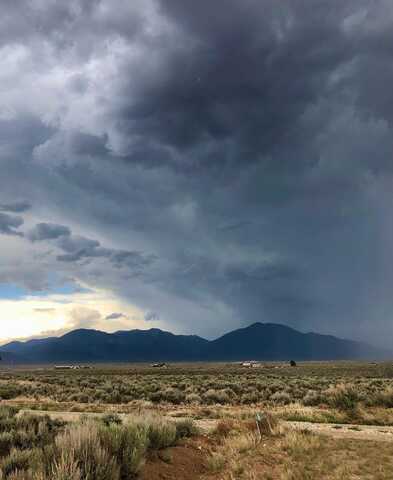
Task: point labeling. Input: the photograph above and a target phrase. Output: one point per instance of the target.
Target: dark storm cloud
(236, 90)
(77, 248)
(238, 154)
(88, 144)
(48, 231)
(115, 316)
(84, 249)
(131, 259)
(9, 224)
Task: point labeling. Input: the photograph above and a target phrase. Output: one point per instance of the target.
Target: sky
(196, 166)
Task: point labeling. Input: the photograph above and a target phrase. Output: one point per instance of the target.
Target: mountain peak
(85, 332)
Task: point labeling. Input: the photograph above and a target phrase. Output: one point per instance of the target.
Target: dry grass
(297, 455)
(237, 442)
(310, 456)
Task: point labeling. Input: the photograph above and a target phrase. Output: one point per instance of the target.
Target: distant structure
(250, 364)
(159, 365)
(292, 363)
(71, 367)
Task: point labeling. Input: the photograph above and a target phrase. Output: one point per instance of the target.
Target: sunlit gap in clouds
(56, 313)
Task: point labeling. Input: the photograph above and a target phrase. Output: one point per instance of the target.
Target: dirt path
(206, 426)
(357, 432)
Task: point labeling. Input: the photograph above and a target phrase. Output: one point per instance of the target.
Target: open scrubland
(319, 420)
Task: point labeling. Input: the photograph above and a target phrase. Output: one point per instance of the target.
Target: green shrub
(343, 397)
(127, 444)
(216, 396)
(161, 433)
(10, 391)
(216, 462)
(382, 399)
(312, 399)
(281, 397)
(193, 398)
(185, 428)
(111, 418)
(8, 412)
(6, 443)
(173, 395)
(80, 447)
(17, 460)
(251, 397)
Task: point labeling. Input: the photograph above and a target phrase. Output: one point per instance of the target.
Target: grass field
(113, 410)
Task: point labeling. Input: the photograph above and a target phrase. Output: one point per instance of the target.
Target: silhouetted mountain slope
(10, 358)
(269, 341)
(95, 346)
(260, 341)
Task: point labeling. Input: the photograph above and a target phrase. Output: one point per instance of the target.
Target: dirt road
(357, 432)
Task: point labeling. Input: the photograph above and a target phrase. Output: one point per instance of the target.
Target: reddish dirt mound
(183, 462)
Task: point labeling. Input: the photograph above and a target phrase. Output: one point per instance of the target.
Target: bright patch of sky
(53, 314)
(14, 292)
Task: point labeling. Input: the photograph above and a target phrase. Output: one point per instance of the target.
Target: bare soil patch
(182, 462)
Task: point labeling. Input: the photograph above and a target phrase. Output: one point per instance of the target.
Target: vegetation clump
(343, 397)
(270, 385)
(36, 448)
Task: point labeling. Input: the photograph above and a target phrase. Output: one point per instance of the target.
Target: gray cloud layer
(16, 207)
(9, 224)
(234, 158)
(48, 231)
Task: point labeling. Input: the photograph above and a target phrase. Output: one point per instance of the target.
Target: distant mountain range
(260, 341)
